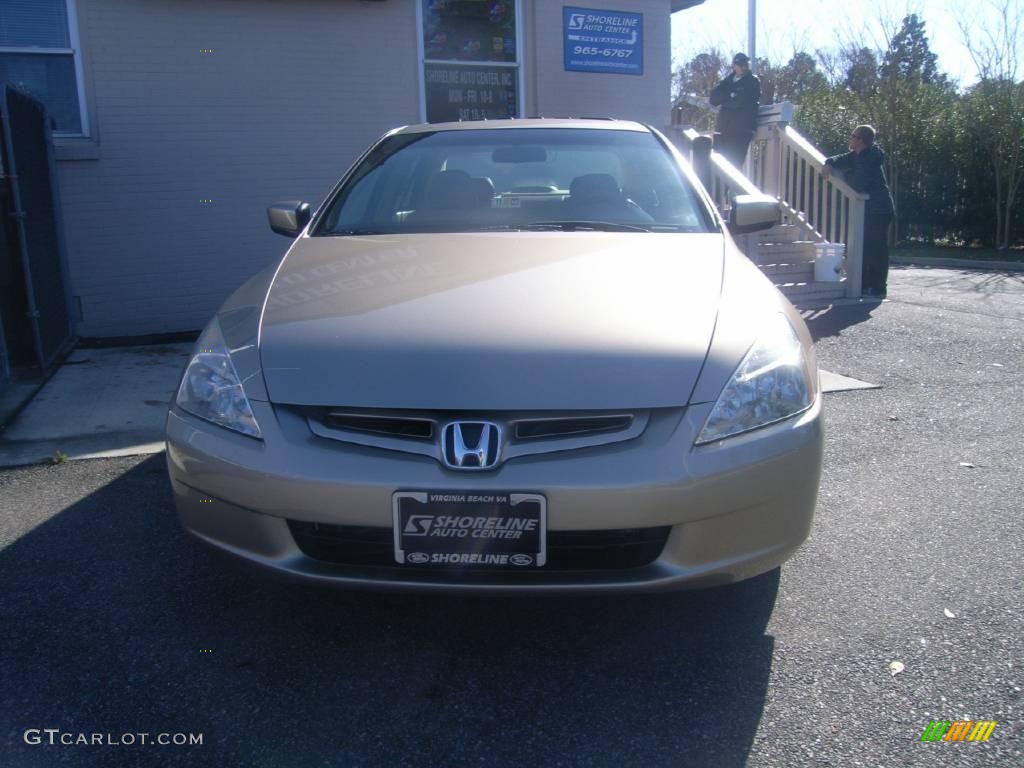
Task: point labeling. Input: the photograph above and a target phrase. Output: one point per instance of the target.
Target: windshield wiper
(532, 226)
(591, 226)
(342, 232)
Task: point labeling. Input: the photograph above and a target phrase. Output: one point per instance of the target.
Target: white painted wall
(292, 92)
(555, 92)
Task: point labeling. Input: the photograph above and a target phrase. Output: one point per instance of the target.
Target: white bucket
(828, 262)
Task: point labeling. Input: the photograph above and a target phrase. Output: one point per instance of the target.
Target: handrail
(683, 139)
(725, 172)
(721, 179)
(828, 207)
(804, 147)
(804, 144)
(787, 166)
(730, 175)
(696, 147)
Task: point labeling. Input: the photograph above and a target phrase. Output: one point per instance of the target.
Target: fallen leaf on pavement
(895, 667)
(949, 613)
(966, 464)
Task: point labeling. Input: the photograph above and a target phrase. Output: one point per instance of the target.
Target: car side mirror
(289, 217)
(752, 213)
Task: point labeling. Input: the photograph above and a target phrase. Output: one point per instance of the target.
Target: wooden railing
(722, 180)
(786, 165)
(727, 181)
(720, 177)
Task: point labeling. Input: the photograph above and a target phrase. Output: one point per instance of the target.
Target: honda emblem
(471, 444)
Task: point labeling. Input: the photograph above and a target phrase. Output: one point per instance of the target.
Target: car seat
(451, 195)
(597, 197)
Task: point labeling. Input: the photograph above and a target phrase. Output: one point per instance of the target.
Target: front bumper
(735, 509)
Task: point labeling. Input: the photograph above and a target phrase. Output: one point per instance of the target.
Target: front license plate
(470, 530)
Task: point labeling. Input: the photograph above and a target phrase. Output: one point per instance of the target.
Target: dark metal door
(29, 167)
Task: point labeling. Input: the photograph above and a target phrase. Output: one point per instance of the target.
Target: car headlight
(211, 389)
(771, 384)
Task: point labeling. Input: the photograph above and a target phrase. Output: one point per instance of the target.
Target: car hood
(492, 321)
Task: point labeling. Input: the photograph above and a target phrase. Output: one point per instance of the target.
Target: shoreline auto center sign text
(603, 41)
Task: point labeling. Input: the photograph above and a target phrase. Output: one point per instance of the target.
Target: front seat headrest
(595, 186)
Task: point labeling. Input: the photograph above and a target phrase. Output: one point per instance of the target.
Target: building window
(471, 59)
(39, 53)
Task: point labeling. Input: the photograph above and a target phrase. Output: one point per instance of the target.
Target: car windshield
(516, 179)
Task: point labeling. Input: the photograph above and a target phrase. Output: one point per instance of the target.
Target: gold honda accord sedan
(505, 356)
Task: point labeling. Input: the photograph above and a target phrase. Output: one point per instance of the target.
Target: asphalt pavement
(114, 622)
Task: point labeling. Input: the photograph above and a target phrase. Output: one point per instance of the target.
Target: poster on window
(469, 30)
(457, 92)
(595, 40)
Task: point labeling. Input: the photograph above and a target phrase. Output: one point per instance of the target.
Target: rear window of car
(516, 178)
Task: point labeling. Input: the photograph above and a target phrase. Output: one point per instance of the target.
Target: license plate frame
(497, 525)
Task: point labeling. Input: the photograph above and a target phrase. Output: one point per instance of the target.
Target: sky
(787, 25)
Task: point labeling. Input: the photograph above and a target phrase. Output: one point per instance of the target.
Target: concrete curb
(103, 446)
(987, 266)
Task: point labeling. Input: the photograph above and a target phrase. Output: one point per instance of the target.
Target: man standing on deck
(737, 97)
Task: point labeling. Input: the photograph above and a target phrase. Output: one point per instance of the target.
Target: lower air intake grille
(567, 550)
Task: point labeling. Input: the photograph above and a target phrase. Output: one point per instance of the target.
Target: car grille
(362, 546)
(538, 429)
(397, 426)
(425, 426)
(523, 433)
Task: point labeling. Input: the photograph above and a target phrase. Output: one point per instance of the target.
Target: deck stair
(815, 209)
(788, 261)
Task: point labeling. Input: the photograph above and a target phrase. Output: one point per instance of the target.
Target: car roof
(604, 124)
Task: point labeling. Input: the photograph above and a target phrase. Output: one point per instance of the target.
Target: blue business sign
(603, 41)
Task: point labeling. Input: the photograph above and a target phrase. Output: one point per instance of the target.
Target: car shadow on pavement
(835, 318)
(115, 621)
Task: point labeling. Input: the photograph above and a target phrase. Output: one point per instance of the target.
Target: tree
(909, 56)
(908, 104)
(955, 160)
(825, 117)
(792, 81)
(799, 77)
(994, 118)
(691, 86)
(861, 71)
(993, 109)
(768, 73)
(699, 75)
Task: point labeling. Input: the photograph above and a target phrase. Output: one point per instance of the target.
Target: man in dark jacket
(737, 97)
(862, 169)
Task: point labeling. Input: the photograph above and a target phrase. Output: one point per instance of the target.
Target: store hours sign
(458, 92)
(603, 41)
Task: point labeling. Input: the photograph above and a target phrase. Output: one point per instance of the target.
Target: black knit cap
(741, 58)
